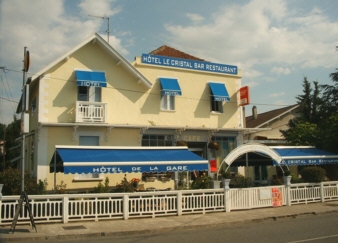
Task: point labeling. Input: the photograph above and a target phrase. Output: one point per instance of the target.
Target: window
(33, 106)
(89, 140)
(216, 106)
(91, 94)
(261, 173)
(157, 140)
(168, 102)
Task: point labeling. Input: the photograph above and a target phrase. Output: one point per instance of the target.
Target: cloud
(99, 8)
(48, 28)
(278, 94)
(261, 33)
(196, 18)
(280, 70)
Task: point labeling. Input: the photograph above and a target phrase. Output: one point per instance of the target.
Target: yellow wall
(192, 108)
(129, 103)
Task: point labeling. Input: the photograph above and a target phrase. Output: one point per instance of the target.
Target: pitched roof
(268, 116)
(172, 52)
(96, 38)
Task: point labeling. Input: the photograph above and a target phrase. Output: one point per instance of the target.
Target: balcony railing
(91, 111)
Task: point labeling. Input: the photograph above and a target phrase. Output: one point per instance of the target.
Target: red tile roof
(172, 52)
(267, 116)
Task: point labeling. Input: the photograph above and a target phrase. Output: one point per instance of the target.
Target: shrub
(11, 178)
(126, 186)
(102, 188)
(239, 181)
(202, 182)
(313, 174)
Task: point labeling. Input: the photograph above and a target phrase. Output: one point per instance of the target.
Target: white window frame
(216, 106)
(168, 102)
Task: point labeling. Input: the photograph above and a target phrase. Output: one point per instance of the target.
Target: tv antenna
(103, 17)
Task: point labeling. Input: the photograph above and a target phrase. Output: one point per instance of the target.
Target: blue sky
(275, 43)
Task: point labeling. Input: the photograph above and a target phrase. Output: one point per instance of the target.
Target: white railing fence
(66, 208)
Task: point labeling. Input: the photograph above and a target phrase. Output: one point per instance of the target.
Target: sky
(275, 43)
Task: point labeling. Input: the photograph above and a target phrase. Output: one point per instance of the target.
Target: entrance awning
(304, 156)
(259, 154)
(219, 92)
(85, 159)
(91, 78)
(170, 87)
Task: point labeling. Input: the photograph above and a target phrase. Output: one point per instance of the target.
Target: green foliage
(102, 188)
(313, 174)
(302, 133)
(11, 133)
(240, 181)
(317, 124)
(127, 186)
(202, 182)
(11, 178)
(61, 188)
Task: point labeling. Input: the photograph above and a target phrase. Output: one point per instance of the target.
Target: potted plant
(287, 177)
(226, 177)
(213, 145)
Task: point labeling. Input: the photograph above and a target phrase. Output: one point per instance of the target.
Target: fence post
(288, 194)
(227, 204)
(65, 209)
(125, 206)
(179, 203)
(322, 196)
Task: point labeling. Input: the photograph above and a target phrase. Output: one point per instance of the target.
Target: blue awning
(82, 159)
(219, 92)
(170, 87)
(91, 78)
(304, 156)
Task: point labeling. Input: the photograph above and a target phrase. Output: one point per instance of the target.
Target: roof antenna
(103, 17)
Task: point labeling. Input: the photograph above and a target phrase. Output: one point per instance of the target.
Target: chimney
(254, 112)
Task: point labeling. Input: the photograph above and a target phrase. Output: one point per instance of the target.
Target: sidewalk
(90, 229)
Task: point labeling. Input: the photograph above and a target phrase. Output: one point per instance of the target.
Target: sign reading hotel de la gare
(189, 64)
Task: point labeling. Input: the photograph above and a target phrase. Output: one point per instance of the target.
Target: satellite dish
(26, 62)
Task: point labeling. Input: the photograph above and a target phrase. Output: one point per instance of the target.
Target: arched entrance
(251, 148)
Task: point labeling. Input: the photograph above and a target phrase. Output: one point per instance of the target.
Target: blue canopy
(91, 78)
(305, 156)
(85, 159)
(219, 92)
(170, 87)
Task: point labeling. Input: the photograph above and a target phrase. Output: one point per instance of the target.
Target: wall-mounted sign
(244, 96)
(189, 64)
(213, 165)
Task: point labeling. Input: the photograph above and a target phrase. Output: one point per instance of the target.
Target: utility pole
(103, 17)
(24, 115)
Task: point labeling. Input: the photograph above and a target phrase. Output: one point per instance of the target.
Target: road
(306, 228)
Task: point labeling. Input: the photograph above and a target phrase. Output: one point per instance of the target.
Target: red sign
(213, 166)
(244, 96)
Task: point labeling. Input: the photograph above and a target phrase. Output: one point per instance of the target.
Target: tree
(318, 121)
(304, 130)
(302, 133)
(12, 147)
(309, 102)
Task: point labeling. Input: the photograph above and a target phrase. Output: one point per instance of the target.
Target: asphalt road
(306, 228)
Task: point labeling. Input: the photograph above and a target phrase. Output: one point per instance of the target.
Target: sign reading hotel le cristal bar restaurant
(189, 64)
